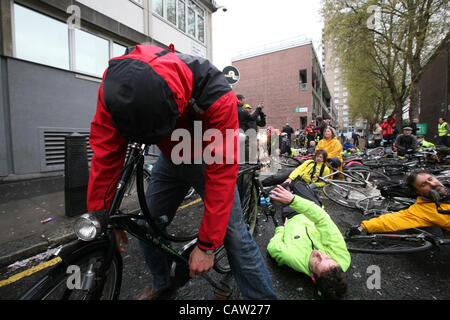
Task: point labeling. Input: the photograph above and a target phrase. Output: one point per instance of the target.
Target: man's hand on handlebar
(200, 262)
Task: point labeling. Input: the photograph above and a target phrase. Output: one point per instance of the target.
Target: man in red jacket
(144, 97)
(387, 130)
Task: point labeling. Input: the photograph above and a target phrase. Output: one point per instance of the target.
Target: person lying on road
(311, 243)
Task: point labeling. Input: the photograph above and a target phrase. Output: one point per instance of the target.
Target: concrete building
(52, 57)
(288, 78)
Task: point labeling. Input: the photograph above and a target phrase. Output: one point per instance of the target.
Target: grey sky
(251, 24)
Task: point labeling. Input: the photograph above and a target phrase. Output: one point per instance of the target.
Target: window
(139, 2)
(91, 53)
(40, 38)
(181, 16)
(201, 29)
(118, 50)
(172, 11)
(185, 14)
(191, 22)
(158, 7)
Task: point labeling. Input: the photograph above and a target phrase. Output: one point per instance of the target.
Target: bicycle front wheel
(58, 284)
(342, 194)
(387, 244)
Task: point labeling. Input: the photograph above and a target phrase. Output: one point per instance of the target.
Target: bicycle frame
(115, 219)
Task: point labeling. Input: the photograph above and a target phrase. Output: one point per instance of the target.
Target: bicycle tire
(250, 208)
(387, 244)
(130, 202)
(343, 195)
(378, 205)
(54, 285)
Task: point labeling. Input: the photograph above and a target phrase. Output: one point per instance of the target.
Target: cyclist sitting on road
(310, 170)
(311, 243)
(421, 214)
(406, 143)
(145, 96)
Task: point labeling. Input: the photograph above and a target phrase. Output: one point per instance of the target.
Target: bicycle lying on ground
(408, 241)
(416, 240)
(354, 184)
(97, 256)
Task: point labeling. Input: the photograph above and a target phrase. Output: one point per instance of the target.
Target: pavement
(23, 206)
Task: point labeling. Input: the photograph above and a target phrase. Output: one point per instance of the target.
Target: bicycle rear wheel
(343, 194)
(387, 244)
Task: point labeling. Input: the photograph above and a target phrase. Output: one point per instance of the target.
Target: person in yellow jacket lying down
(423, 213)
(310, 170)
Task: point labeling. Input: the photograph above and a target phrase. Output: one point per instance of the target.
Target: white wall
(124, 11)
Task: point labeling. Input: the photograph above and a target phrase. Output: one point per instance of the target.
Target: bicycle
(394, 196)
(410, 241)
(130, 203)
(97, 256)
(357, 183)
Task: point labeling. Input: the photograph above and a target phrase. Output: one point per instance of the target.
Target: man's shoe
(151, 294)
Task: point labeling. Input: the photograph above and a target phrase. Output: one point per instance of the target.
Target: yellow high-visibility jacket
(421, 214)
(333, 147)
(305, 171)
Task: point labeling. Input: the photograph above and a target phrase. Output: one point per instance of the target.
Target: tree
(389, 43)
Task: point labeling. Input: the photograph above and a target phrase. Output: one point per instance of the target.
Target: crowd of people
(137, 104)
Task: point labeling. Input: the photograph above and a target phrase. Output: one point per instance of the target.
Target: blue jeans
(167, 188)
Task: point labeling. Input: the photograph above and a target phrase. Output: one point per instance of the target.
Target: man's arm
(401, 220)
(220, 178)
(109, 153)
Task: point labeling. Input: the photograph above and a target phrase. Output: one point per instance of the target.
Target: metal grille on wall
(53, 146)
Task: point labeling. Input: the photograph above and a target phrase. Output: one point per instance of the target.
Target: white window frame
(71, 38)
(197, 15)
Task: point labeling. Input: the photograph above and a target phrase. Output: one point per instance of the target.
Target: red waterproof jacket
(387, 126)
(180, 78)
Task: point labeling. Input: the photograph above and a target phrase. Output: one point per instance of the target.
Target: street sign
(231, 74)
(298, 109)
(421, 128)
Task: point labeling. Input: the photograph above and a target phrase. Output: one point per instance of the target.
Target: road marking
(190, 204)
(30, 271)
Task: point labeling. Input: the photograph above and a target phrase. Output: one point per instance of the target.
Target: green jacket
(292, 245)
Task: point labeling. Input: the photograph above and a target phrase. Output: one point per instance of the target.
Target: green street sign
(421, 128)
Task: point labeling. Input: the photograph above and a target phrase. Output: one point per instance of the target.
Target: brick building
(289, 80)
